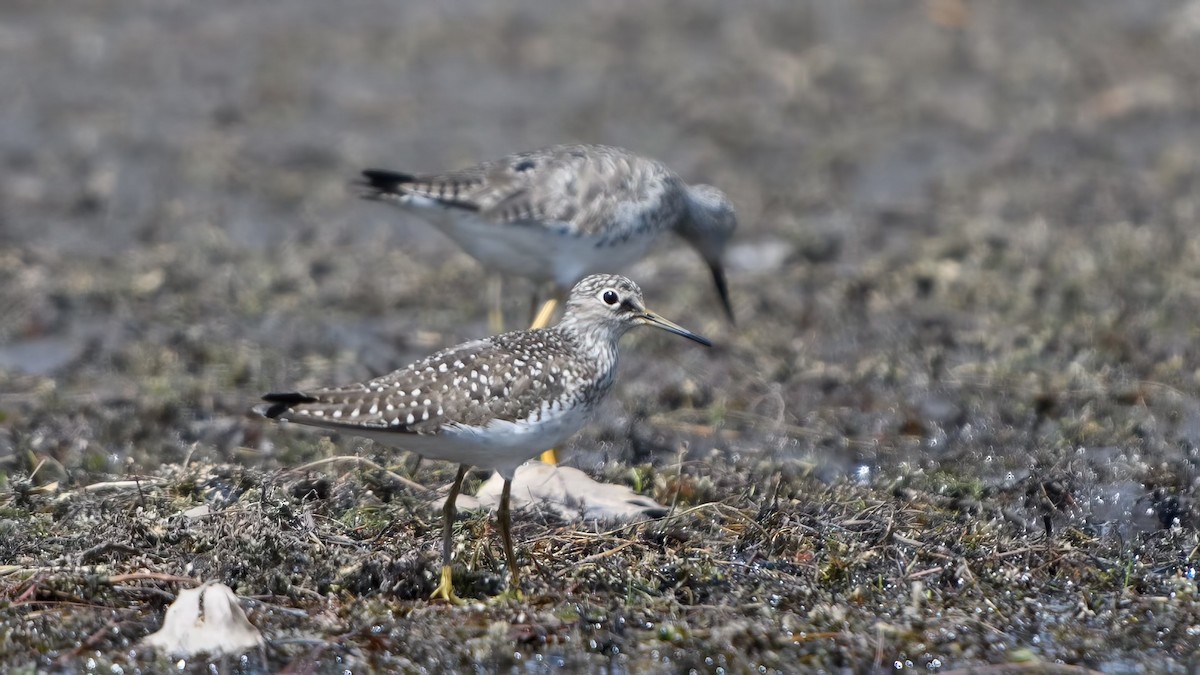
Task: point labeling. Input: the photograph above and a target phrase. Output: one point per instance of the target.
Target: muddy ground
(955, 428)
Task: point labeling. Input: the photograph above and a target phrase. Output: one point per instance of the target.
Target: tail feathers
(284, 401)
(393, 186)
(381, 183)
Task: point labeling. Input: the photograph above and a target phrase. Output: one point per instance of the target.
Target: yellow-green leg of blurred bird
(541, 321)
(445, 587)
(544, 314)
(496, 311)
(504, 520)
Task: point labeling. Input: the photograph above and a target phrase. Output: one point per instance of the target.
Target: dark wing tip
(283, 401)
(378, 183)
(382, 185)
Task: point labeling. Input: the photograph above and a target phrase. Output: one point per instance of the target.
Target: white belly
(541, 252)
(501, 445)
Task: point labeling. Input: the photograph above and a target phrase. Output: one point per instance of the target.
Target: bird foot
(445, 589)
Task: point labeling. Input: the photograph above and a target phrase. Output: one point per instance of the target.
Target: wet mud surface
(955, 427)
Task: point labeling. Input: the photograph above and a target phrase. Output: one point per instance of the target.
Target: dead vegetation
(754, 567)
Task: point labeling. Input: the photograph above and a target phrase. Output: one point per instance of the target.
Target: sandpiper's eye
(611, 297)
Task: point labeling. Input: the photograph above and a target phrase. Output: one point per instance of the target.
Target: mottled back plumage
(590, 190)
(536, 385)
(564, 212)
(507, 377)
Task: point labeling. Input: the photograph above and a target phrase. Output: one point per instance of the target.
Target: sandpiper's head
(708, 228)
(612, 303)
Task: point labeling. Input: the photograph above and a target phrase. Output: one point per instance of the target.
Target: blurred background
(967, 244)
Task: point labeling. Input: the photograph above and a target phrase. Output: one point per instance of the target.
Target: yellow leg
(504, 520)
(445, 587)
(544, 314)
(496, 311)
(541, 321)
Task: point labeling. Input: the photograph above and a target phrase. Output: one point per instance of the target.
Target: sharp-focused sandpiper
(492, 403)
(561, 213)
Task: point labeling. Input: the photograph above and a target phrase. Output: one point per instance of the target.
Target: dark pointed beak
(652, 319)
(718, 274)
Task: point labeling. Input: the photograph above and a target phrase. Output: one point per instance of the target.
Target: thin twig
(604, 554)
(925, 573)
(1036, 666)
(368, 463)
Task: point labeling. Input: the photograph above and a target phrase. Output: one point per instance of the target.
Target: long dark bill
(658, 322)
(718, 274)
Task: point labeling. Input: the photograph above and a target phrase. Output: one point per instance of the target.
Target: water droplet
(862, 473)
